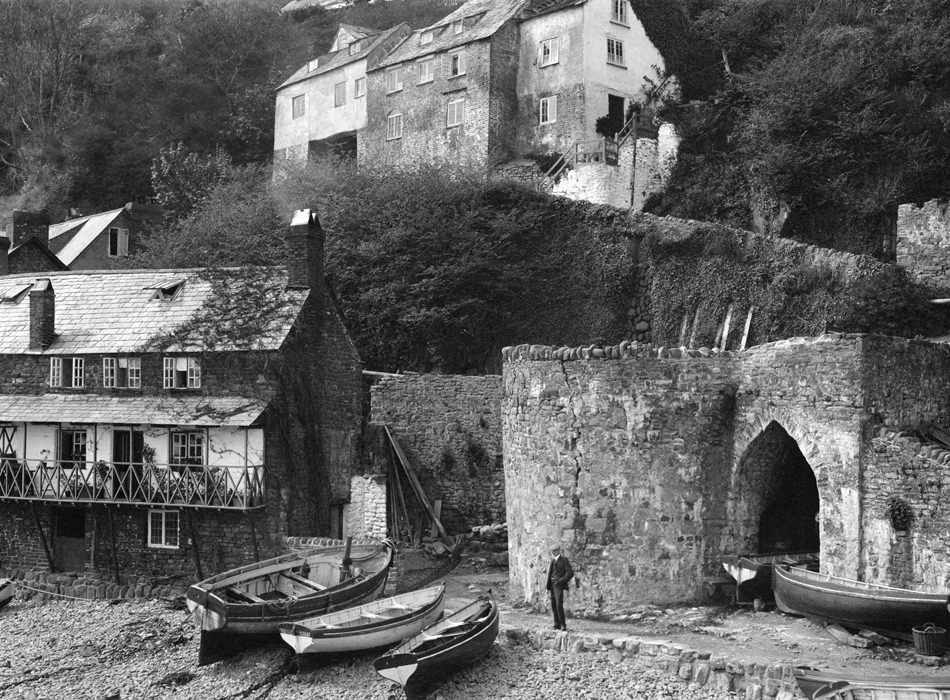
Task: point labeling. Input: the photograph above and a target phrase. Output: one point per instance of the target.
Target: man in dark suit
(559, 575)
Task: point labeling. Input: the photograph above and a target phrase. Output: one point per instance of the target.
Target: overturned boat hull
(856, 604)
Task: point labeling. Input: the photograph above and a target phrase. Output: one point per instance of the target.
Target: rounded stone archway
(776, 497)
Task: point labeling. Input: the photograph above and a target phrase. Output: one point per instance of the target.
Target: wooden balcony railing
(233, 488)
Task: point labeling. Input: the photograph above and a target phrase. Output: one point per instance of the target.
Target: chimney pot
(42, 314)
(305, 251)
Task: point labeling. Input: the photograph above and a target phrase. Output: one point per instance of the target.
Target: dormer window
(14, 293)
(313, 64)
(181, 373)
(457, 26)
(426, 37)
(355, 47)
(118, 242)
(167, 290)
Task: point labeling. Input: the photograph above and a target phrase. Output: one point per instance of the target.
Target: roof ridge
(137, 270)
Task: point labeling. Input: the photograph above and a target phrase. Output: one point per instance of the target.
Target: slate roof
(113, 311)
(75, 235)
(294, 5)
(542, 7)
(17, 251)
(332, 61)
(496, 13)
(234, 411)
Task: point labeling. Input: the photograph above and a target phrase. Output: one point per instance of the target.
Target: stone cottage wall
(923, 241)
(449, 427)
(600, 183)
(365, 515)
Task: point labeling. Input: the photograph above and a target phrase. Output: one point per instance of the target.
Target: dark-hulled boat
(381, 623)
(243, 606)
(456, 640)
(753, 572)
(7, 589)
(856, 604)
(816, 684)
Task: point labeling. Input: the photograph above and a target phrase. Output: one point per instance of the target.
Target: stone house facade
(173, 423)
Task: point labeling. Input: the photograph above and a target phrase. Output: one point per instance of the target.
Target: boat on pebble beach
(381, 623)
(457, 640)
(241, 607)
(753, 572)
(7, 589)
(857, 604)
(816, 684)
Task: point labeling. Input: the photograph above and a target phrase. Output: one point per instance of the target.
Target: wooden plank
(402, 514)
(417, 530)
(692, 333)
(234, 590)
(194, 545)
(437, 506)
(725, 328)
(115, 549)
(417, 487)
(302, 581)
(745, 333)
(938, 434)
(683, 326)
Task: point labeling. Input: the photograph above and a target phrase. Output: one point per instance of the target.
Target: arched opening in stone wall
(779, 495)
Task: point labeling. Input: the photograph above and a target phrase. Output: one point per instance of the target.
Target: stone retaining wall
(44, 585)
(923, 241)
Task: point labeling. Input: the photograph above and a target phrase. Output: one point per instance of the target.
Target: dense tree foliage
(835, 110)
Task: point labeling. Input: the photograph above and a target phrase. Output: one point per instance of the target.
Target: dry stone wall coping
(623, 350)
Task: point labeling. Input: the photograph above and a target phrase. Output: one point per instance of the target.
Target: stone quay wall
(450, 428)
(923, 241)
(647, 464)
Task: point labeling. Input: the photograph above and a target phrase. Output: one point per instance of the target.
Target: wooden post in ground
(194, 544)
(748, 324)
(115, 549)
(692, 333)
(725, 327)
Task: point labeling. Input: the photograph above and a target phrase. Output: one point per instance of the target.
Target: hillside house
(173, 423)
(101, 241)
(498, 81)
(321, 107)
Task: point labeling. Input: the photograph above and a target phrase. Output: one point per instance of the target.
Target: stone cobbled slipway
(149, 649)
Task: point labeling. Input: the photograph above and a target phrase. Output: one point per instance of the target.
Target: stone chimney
(305, 251)
(42, 314)
(4, 256)
(21, 225)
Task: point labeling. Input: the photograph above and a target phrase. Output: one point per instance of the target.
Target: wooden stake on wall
(725, 327)
(692, 333)
(748, 324)
(683, 327)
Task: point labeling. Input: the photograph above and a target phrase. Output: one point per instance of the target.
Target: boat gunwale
(407, 645)
(840, 585)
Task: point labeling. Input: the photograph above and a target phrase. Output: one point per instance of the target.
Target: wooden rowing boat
(753, 572)
(7, 589)
(456, 640)
(843, 685)
(856, 604)
(251, 602)
(381, 623)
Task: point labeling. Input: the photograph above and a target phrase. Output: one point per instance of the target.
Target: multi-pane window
(548, 109)
(67, 372)
(163, 529)
(426, 70)
(619, 11)
(457, 63)
(122, 372)
(298, 106)
(394, 79)
(615, 52)
(118, 242)
(394, 126)
(456, 112)
(181, 373)
(550, 48)
(359, 87)
(72, 446)
(188, 448)
(339, 94)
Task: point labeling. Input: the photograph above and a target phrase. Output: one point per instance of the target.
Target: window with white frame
(188, 448)
(355, 47)
(548, 109)
(163, 529)
(122, 372)
(67, 372)
(313, 64)
(118, 242)
(619, 11)
(394, 126)
(455, 113)
(359, 87)
(339, 94)
(426, 70)
(457, 26)
(615, 52)
(394, 79)
(181, 373)
(550, 48)
(426, 38)
(72, 446)
(298, 106)
(457, 63)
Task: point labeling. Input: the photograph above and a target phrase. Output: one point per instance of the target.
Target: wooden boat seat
(296, 578)
(373, 616)
(234, 590)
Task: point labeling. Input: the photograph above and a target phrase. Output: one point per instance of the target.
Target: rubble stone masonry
(647, 464)
(923, 242)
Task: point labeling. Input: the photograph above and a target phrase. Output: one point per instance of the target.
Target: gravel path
(146, 649)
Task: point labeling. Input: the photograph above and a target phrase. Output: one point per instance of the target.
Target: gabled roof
(115, 311)
(332, 61)
(542, 7)
(480, 20)
(33, 244)
(70, 238)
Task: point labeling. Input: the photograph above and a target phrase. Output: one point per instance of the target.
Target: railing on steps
(627, 130)
(561, 163)
(195, 486)
(603, 150)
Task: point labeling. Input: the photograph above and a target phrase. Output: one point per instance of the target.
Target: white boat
(7, 589)
(377, 624)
